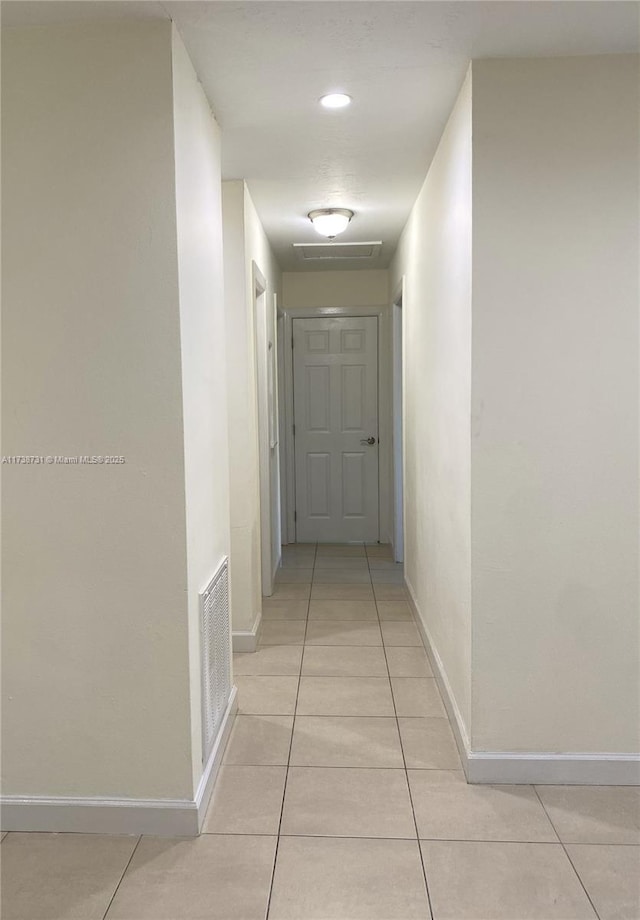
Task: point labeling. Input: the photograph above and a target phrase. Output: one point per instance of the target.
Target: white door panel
(335, 367)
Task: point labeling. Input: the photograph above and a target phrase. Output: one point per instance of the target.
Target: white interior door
(335, 389)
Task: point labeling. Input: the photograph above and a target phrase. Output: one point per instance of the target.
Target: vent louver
(216, 655)
(322, 252)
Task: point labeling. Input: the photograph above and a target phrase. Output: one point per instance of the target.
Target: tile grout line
(343, 644)
(334, 715)
(133, 853)
(404, 761)
(583, 844)
(343, 767)
(566, 853)
(344, 676)
(293, 727)
(471, 840)
(313, 645)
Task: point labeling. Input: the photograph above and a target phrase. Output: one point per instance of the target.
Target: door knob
(370, 440)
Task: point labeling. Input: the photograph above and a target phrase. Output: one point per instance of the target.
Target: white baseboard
(554, 769)
(59, 814)
(507, 767)
(276, 565)
(158, 817)
(246, 640)
(455, 716)
(212, 767)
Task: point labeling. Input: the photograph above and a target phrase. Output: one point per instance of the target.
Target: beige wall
(366, 288)
(258, 252)
(113, 344)
(203, 352)
(95, 682)
(555, 405)
(245, 243)
(522, 505)
(361, 288)
(434, 256)
(243, 438)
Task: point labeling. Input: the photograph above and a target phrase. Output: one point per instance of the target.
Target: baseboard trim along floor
(158, 817)
(505, 767)
(246, 640)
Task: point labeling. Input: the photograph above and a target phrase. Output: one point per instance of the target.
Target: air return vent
(216, 655)
(324, 252)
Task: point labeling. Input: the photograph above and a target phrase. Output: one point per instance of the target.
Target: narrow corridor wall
(363, 288)
(555, 405)
(360, 288)
(203, 353)
(521, 349)
(95, 678)
(113, 344)
(434, 257)
(243, 438)
(258, 253)
(245, 243)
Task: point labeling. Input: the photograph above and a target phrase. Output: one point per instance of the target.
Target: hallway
(343, 769)
(325, 271)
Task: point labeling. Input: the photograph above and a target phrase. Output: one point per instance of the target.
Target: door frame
(398, 316)
(385, 483)
(282, 415)
(262, 305)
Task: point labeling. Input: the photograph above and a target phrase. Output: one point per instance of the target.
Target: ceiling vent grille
(324, 252)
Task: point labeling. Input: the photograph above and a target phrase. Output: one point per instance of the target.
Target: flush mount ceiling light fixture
(330, 222)
(335, 100)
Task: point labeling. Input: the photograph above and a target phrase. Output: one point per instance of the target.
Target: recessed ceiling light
(335, 100)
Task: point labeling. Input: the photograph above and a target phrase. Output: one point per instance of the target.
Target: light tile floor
(341, 796)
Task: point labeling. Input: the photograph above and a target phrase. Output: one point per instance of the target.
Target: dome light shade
(330, 222)
(335, 100)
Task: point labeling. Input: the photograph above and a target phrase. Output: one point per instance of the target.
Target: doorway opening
(398, 424)
(282, 416)
(268, 453)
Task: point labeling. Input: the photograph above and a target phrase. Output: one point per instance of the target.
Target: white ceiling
(265, 63)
